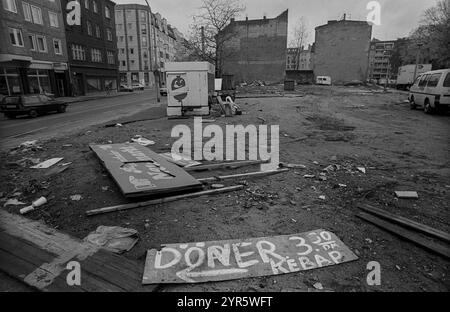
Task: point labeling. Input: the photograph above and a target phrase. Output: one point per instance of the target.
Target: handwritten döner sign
(235, 259)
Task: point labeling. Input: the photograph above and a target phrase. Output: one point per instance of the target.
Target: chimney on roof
(246, 17)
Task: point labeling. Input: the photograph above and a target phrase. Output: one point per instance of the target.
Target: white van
(323, 80)
(431, 90)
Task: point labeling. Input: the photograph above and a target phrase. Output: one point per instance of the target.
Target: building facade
(342, 50)
(145, 42)
(379, 60)
(254, 49)
(299, 58)
(92, 50)
(33, 54)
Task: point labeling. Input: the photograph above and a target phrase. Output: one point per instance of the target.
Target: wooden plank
(406, 234)
(257, 174)
(406, 222)
(162, 200)
(225, 165)
(244, 258)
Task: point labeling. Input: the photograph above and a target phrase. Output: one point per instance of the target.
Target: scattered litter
(143, 141)
(333, 158)
(48, 163)
(66, 164)
(318, 286)
(342, 185)
(13, 201)
(262, 119)
(369, 240)
(293, 220)
(322, 197)
(28, 144)
(118, 125)
(114, 238)
(180, 160)
(309, 176)
(406, 194)
(362, 169)
(329, 168)
(76, 197)
(217, 186)
(105, 188)
(39, 202)
(67, 145)
(315, 162)
(56, 170)
(398, 267)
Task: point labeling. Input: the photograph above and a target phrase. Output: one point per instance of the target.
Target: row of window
(79, 54)
(38, 43)
(95, 7)
(32, 13)
(109, 35)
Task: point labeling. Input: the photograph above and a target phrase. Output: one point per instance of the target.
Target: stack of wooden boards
(433, 240)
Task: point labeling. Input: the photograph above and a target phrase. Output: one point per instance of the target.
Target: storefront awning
(14, 57)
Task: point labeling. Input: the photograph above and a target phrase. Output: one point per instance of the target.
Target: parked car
(431, 90)
(31, 105)
(125, 88)
(138, 86)
(323, 80)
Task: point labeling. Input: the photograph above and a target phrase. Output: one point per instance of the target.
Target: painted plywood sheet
(242, 258)
(138, 171)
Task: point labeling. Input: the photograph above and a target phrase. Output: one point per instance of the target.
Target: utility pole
(156, 70)
(417, 61)
(203, 40)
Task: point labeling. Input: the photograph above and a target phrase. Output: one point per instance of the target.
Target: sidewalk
(84, 98)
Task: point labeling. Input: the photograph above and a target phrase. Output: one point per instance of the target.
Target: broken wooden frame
(243, 175)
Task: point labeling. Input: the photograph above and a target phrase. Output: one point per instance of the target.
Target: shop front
(87, 81)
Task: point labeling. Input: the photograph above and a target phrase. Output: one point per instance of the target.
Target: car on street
(125, 88)
(323, 80)
(138, 86)
(431, 90)
(32, 105)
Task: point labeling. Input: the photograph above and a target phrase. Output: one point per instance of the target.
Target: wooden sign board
(235, 259)
(139, 171)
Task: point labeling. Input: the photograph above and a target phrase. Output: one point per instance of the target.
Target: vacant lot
(349, 127)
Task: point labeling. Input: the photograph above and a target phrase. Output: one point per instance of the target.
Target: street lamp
(156, 70)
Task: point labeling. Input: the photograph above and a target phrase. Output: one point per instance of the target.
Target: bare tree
(213, 17)
(299, 38)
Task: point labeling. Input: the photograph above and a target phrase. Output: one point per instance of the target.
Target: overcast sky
(398, 17)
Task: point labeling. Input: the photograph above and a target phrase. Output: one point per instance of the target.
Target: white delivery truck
(405, 77)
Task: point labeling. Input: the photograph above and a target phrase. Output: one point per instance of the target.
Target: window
(145, 64)
(434, 80)
(423, 80)
(53, 18)
(143, 15)
(16, 37)
(41, 44)
(96, 55)
(89, 28)
(447, 81)
(144, 41)
(129, 26)
(86, 4)
(57, 46)
(26, 11)
(145, 54)
(37, 15)
(144, 29)
(97, 31)
(119, 27)
(109, 34)
(121, 38)
(78, 52)
(107, 12)
(94, 4)
(130, 38)
(124, 63)
(32, 40)
(131, 51)
(110, 56)
(122, 51)
(10, 5)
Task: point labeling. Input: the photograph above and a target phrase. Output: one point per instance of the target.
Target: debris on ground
(309, 176)
(37, 203)
(47, 164)
(406, 194)
(180, 160)
(217, 186)
(292, 166)
(76, 197)
(113, 238)
(143, 141)
(318, 286)
(362, 169)
(322, 197)
(13, 202)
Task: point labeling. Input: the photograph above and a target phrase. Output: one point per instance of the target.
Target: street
(77, 116)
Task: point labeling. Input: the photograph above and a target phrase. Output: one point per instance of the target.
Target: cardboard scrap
(244, 258)
(47, 164)
(406, 194)
(113, 238)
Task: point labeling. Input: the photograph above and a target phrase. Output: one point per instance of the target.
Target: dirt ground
(401, 149)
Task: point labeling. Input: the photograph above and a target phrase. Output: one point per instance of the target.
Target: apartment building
(299, 58)
(379, 60)
(33, 54)
(92, 51)
(145, 41)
